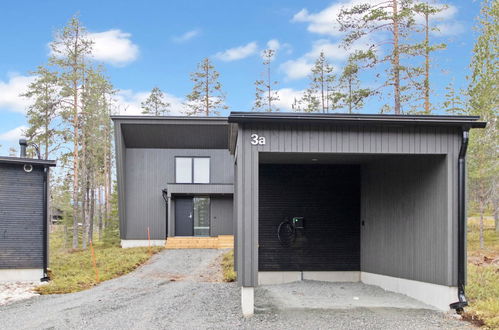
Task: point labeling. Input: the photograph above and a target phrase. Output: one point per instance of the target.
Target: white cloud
(238, 53)
(296, 69)
(129, 101)
(14, 134)
(325, 21)
(286, 98)
(113, 47)
(273, 44)
(186, 36)
(449, 29)
(10, 91)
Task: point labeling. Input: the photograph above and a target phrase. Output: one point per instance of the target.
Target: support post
(248, 300)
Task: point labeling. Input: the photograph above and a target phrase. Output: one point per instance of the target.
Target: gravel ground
(14, 291)
(180, 289)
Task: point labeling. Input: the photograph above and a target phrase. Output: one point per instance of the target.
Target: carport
(334, 197)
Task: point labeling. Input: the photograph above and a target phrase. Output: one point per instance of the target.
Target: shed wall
(405, 218)
(21, 217)
(147, 172)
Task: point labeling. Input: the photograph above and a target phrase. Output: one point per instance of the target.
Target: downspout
(45, 277)
(461, 219)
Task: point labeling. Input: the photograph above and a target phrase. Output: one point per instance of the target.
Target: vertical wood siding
(405, 232)
(222, 217)
(21, 217)
(147, 172)
(304, 138)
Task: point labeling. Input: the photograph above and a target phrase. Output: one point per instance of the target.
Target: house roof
(176, 132)
(22, 161)
(364, 119)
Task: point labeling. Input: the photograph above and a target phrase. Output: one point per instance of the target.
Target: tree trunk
(99, 225)
(207, 91)
(75, 167)
(481, 228)
(427, 65)
(91, 215)
(396, 58)
(495, 205)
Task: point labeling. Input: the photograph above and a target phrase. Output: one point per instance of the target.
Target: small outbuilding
(341, 197)
(23, 217)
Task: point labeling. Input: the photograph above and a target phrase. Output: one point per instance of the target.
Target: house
(331, 197)
(175, 180)
(23, 217)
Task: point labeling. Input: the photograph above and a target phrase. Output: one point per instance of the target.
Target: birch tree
(207, 97)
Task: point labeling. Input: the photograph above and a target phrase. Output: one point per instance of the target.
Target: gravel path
(180, 289)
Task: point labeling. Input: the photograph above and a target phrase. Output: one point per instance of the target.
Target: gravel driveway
(181, 289)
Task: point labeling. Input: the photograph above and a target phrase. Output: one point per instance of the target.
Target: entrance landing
(193, 242)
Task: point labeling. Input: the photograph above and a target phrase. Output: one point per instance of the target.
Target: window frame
(192, 169)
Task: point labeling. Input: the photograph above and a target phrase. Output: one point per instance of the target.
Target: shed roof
(364, 119)
(22, 161)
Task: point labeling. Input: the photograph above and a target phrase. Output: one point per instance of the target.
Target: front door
(184, 216)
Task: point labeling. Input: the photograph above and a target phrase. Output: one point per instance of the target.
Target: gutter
(461, 219)
(45, 277)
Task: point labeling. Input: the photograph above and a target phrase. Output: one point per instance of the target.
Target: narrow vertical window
(201, 170)
(183, 170)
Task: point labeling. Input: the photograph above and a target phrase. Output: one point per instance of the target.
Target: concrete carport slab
(331, 295)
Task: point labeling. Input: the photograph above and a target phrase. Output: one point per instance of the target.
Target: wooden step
(193, 242)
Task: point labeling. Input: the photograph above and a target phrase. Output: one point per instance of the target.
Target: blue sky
(158, 43)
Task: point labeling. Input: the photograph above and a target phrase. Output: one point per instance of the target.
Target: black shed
(23, 218)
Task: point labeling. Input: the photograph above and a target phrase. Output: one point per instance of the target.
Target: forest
(72, 98)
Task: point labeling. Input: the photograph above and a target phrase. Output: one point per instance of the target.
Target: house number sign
(257, 140)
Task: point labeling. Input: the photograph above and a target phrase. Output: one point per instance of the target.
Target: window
(192, 170)
(201, 216)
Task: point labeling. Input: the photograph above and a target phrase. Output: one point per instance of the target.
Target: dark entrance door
(184, 216)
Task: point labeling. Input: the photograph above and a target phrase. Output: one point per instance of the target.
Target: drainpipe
(45, 277)
(461, 219)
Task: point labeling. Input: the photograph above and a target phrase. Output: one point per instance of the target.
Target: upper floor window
(192, 170)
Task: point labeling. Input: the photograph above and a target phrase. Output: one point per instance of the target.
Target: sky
(146, 43)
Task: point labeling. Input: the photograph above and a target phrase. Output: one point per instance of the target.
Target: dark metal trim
(32, 161)
(45, 277)
(375, 119)
(461, 219)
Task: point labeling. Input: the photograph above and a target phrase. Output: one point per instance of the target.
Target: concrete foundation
(20, 275)
(248, 300)
(130, 243)
(439, 296)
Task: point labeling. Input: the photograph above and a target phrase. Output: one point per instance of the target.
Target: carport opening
(381, 214)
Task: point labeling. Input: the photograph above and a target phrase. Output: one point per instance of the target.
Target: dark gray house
(175, 178)
(331, 197)
(23, 218)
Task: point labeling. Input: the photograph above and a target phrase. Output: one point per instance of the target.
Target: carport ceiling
(317, 158)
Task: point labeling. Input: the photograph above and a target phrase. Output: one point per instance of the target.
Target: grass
(229, 275)
(482, 289)
(72, 270)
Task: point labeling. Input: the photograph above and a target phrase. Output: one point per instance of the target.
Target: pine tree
(426, 48)
(394, 17)
(41, 114)
(352, 95)
(207, 97)
(155, 104)
(70, 49)
(265, 94)
(484, 101)
(455, 103)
